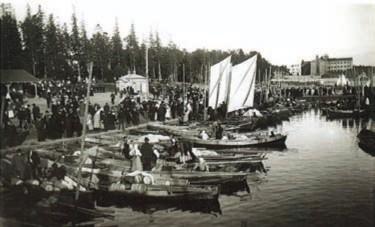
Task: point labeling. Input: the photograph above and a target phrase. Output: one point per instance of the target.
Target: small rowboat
(264, 141)
(335, 113)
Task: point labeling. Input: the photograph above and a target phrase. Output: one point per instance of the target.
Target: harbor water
(322, 179)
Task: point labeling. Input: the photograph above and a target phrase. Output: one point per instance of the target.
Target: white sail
(242, 85)
(219, 78)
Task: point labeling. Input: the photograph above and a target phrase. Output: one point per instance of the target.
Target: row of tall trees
(48, 49)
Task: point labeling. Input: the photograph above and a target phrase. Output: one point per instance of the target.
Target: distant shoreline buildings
(321, 66)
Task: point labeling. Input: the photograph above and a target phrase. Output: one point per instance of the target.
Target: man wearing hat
(125, 148)
(148, 156)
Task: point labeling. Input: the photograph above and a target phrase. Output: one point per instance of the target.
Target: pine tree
(86, 51)
(101, 52)
(11, 47)
(132, 49)
(117, 53)
(76, 47)
(33, 31)
(51, 43)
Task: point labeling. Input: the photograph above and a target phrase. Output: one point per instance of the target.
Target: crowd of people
(147, 157)
(65, 102)
(303, 91)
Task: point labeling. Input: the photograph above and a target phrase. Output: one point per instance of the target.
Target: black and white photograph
(164, 113)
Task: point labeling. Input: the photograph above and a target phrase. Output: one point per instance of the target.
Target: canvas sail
(218, 86)
(242, 85)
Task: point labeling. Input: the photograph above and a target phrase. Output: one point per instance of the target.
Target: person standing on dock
(135, 154)
(113, 98)
(148, 156)
(125, 148)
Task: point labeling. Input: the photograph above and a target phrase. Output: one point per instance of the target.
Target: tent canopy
(17, 76)
(132, 77)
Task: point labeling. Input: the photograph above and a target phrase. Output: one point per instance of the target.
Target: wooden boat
(149, 207)
(164, 192)
(367, 141)
(201, 178)
(243, 125)
(336, 113)
(175, 129)
(277, 140)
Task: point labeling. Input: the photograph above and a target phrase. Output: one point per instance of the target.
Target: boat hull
(345, 113)
(164, 193)
(367, 141)
(277, 141)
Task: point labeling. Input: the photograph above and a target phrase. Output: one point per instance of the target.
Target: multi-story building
(324, 64)
(295, 69)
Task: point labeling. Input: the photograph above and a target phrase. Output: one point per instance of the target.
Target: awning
(16, 76)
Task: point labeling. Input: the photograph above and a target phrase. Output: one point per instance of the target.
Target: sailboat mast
(183, 85)
(205, 92)
(83, 138)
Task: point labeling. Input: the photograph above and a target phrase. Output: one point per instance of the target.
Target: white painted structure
(137, 82)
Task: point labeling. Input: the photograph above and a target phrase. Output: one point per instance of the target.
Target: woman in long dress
(135, 154)
(97, 120)
(168, 114)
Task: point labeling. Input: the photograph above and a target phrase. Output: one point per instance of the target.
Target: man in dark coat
(161, 112)
(148, 157)
(41, 127)
(36, 112)
(125, 148)
(113, 98)
(69, 125)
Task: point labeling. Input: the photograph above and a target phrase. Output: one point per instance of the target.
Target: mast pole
(82, 159)
(183, 85)
(205, 92)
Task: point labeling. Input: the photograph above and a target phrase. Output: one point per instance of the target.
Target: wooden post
(146, 59)
(36, 90)
(159, 71)
(205, 75)
(90, 66)
(2, 111)
(183, 83)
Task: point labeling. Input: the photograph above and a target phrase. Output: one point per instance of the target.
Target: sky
(284, 32)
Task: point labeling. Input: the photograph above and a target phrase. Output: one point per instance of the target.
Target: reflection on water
(322, 179)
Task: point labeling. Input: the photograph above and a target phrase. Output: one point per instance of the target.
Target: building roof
(16, 76)
(340, 59)
(132, 76)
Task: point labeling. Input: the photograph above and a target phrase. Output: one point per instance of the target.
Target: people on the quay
(66, 101)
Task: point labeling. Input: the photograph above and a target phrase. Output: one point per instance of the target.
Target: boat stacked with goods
(143, 185)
